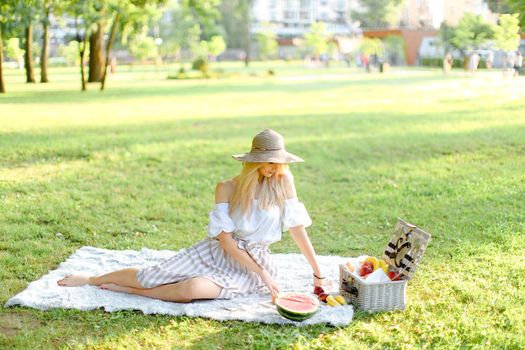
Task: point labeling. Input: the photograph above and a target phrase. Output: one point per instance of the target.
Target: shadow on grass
(340, 133)
(170, 88)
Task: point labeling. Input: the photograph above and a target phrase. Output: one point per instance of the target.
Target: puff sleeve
(220, 220)
(295, 214)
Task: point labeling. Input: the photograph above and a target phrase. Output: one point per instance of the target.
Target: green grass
(136, 167)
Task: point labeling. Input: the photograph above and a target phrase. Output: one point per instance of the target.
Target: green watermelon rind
(294, 315)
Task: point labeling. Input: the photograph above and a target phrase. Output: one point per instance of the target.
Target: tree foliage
(316, 39)
(377, 13)
(509, 7)
(471, 33)
(266, 42)
(506, 36)
(372, 46)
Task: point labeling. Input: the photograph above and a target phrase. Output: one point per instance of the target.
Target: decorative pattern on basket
(403, 253)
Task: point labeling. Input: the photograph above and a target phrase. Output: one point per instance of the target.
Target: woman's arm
(300, 236)
(302, 240)
(241, 256)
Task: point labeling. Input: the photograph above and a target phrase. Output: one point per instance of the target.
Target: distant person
(473, 62)
(518, 63)
(489, 61)
(448, 61)
(366, 62)
(510, 63)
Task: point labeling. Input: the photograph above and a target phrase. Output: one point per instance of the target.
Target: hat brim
(280, 156)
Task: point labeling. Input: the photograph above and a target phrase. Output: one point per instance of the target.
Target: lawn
(136, 166)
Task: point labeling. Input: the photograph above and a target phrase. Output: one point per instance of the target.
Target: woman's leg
(125, 277)
(182, 292)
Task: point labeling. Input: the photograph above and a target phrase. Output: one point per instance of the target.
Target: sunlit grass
(136, 166)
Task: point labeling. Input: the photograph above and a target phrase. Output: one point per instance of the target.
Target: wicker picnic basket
(403, 253)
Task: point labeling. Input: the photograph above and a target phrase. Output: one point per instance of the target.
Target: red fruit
(366, 268)
(318, 290)
(394, 276)
(323, 297)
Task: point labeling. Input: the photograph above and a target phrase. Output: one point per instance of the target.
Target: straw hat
(268, 147)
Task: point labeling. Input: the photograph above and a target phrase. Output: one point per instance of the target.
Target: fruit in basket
(318, 290)
(374, 261)
(330, 300)
(394, 276)
(340, 299)
(383, 265)
(323, 297)
(366, 268)
(296, 306)
(350, 267)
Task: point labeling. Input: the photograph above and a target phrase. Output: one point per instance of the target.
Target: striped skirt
(208, 259)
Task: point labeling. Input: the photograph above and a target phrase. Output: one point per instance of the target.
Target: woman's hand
(270, 283)
(319, 282)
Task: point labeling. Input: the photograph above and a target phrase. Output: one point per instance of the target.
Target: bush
(201, 64)
(438, 62)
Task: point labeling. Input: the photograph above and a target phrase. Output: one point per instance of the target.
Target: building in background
(292, 18)
(426, 14)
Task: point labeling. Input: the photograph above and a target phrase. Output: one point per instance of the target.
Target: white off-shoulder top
(262, 225)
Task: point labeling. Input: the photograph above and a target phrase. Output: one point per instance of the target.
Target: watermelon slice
(296, 306)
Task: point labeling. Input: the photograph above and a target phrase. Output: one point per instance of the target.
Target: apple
(323, 297)
(318, 290)
(394, 276)
(366, 268)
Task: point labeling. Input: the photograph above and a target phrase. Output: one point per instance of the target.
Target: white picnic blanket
(294, 275)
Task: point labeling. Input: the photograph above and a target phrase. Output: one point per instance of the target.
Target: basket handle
(350, 289)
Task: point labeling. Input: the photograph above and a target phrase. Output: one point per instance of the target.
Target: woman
(251, 211)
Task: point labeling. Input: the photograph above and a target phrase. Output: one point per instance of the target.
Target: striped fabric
(208, 259)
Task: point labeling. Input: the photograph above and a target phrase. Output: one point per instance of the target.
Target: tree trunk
(96, 54)
(247, 38)
(109, 47)
(2, 86)
(45, 49)
(28, 56)
(82, 50)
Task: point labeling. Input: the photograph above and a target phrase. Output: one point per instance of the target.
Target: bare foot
(73, 281)
(115, 287)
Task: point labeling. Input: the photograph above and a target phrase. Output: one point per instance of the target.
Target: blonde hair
(272, 191)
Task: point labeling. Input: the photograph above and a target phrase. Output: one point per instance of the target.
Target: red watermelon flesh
(296, 306)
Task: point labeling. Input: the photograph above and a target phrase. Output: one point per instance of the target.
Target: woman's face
(268, 169)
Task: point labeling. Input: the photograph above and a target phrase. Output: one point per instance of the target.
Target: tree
(316, 39)
(237, 23)
(14, 52)
(509, 7)
(47, 6)
(372, 46)
(85, 16)
(518, 6)
(446, 34)
(471, 32)
(507, 33)
(377, 13)
(143, 48)
(506, 36)
(395, 49)
(498, 6)
(2, 86)
(266, 42)
(8, 16)
(28, 11)
(216, 45)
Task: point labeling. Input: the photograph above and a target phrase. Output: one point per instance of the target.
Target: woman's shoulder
(224, 191)
(289, 186)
